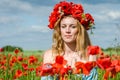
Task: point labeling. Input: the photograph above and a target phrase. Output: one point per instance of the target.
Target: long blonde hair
(82, 40)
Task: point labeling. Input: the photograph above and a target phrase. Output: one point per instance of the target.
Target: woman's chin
(68, 41)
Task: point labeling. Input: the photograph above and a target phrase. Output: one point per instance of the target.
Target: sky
(24, 23)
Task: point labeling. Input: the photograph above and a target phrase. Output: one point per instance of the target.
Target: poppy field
(17, 66)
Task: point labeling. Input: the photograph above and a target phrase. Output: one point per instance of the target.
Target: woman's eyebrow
(72, 24)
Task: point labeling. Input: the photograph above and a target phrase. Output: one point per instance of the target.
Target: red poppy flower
(20, 58)
(18, 74)
(66, 70)
(3, 67)
(88, 67)
(11, 64)
(104, 63)
(85, 23)
(84, 68)
(116, 65)
(65, 7)
(77, 14)
(1, 49)
(79, 65)
(59, 63)
(38, 69)
(52, 19)
(89, 18)
(93, 50)
(32, 59)
(112, 70)
(78, 7)
(68, 8)
(77, 11)
(16, 51)
(14, 59)
(2, 62)
(45, 69)
(31, 69)
(25, 66)
(63, 71)
(60, 60)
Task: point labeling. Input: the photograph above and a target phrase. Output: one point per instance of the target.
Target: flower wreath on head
(68, 8)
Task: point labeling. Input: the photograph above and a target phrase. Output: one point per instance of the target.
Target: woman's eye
(63, 26)
(73, 26)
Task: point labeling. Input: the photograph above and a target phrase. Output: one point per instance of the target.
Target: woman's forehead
(68, 20)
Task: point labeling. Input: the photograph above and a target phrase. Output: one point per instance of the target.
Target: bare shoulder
(48, 52)
(47, 56)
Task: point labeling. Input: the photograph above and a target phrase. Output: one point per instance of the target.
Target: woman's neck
(69, 48)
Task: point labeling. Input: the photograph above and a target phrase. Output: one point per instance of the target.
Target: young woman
(70, 37)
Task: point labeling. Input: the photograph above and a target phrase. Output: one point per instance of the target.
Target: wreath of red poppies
(69, 8)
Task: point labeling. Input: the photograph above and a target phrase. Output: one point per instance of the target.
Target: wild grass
(7, 73)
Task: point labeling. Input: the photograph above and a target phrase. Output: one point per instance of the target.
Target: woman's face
(69, 30)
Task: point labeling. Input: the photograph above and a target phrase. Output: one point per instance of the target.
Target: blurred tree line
(117, 48)
(10, 48)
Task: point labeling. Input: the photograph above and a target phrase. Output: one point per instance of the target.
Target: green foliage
(117, 48)
(8, 72)
(10, 48)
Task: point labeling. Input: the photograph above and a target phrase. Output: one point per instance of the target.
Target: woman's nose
(67, 29)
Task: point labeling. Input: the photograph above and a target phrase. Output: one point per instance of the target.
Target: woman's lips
(68, 36)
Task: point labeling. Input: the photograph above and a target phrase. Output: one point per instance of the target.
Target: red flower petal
(104, 63)
(93, 50)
